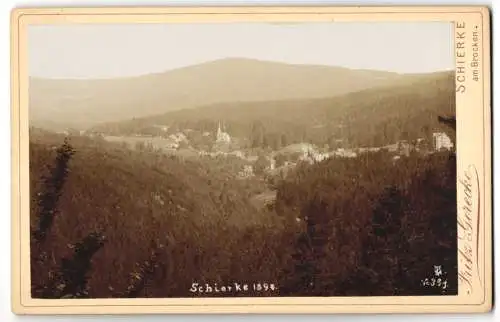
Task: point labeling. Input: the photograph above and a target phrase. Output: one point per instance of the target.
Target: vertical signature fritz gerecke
(468, 213)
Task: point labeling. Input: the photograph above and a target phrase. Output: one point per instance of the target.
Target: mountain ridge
(230, 60)
(86, 102)
(413, 102)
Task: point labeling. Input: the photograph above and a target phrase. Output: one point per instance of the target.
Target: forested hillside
(372, 117)
(137, 200)
(364, 226)
(372, 226)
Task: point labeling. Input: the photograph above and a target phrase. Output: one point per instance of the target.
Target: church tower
(222, 136)
(219, 133)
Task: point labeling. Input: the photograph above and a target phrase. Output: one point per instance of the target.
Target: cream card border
(473, 150)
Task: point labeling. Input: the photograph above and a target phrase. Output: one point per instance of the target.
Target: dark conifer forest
(368, 210)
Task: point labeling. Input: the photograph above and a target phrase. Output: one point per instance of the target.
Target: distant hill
(374, 116)
(59, 103)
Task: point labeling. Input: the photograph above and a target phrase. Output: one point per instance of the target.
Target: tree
(310, 248)
(260, 165)
(257, 135)
(449, 121)
(71, 278)
(53, 184)
(284, 140)
(280, 159)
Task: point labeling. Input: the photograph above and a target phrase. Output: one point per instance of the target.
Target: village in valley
(219, 143)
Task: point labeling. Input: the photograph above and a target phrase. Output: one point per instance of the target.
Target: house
(171, 145)
(442, 141)
(272, 163)
(395, 159)
(404, 148)
(314, 156)
(247, 171)
(65, 132)
(178, 137)
(238, 154)
(345, 153)
(301, 148)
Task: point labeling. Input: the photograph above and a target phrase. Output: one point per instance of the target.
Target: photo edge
(16, 303)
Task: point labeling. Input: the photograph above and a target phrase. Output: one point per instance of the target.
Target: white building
(314, 156)
(442, 141)
(247, 171)
(171, 145)
(178, 137)
(395, 159)
(272, 163)
(238, 154)
(345, 153)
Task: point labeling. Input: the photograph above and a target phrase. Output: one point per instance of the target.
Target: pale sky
(104, 51)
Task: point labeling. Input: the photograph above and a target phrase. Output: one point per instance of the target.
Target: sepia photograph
(251, 160)
(242, 160)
